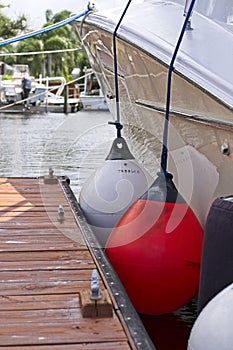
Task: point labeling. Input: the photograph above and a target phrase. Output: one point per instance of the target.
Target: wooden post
(66, 89)
(96, 308)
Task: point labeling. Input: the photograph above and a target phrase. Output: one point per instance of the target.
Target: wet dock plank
(44, 264)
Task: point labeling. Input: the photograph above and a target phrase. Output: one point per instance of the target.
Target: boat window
(221, 11)
(218, 10)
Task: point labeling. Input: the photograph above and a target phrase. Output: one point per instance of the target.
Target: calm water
(75, 145)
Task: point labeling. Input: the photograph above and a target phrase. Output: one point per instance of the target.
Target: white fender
(112, 189)
(212, 329)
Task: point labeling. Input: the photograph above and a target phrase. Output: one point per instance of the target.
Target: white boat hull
(201, 115)
(93, 102)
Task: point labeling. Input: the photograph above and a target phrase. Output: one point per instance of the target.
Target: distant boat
(54, 99)
(92, 97)
(46, 95)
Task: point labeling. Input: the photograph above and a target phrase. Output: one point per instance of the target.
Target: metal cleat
(93, 303)
(51, 172)
(50, 179)
(95, 286)
(61, 213)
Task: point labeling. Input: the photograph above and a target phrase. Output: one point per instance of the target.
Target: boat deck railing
(54, 92)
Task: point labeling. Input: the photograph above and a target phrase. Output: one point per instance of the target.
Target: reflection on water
(75, 145)
(171, 331)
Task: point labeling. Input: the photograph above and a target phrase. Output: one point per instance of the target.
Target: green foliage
(9, 28)
(6, 77)
(11, 60)
(82, 61)
(56, 42)
(58, 17)
(49, 15)
(63, 38)
(34, 61)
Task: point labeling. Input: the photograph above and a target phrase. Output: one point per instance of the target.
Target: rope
(170, 70)
(46, 29)
(29, 53)
(42, 31)
(118, 125)
(25, 99)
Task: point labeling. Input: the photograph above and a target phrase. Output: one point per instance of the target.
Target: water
(75, 145)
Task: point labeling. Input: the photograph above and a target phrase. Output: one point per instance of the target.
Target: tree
(62, 38)
(57, 43)
(82, 60)
(10, 28)
(34, 61)
(49, 15)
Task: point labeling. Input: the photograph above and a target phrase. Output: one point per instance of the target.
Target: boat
(200, 135)
(92, 97)
(46, 95)
(57, 97)
(12, 90)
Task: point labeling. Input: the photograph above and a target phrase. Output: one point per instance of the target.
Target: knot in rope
(118, 126)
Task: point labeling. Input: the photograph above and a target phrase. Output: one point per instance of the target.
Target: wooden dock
(46, 263)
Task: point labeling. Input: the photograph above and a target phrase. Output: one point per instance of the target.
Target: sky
(35, 9)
